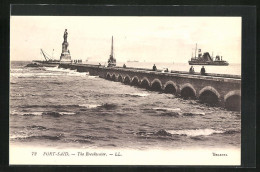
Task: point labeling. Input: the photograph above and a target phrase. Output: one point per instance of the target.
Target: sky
(150, 39)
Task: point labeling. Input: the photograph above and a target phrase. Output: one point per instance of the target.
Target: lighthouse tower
(65, 55)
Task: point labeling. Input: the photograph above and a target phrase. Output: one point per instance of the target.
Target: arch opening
(135, 81)
(170, 89)
(108, 76)
(127, 80)
(233, 103)
(209, 97)
(156, 86)
(145, 84)
(113, 77)
(187, 93)
(120, 79)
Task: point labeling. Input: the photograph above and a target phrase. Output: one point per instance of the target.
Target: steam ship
(49, 61)
(206, 59)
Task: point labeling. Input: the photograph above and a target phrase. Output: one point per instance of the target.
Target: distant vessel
(206, 59)
(112, 60)
(49, 61)
(132, 61)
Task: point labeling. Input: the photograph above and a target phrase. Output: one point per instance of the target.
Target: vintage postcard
(125, 90)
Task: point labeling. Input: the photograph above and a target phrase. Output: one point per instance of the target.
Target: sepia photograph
(125, 90)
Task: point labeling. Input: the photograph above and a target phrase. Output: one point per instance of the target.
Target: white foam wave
(67, 113)
(53, 69)
(68, 71)
(93, 77)
(27, 75)
(168, 109)
(194, 113)
(138, 94)
(16, 70)
(40, 113)
(89, 106)
(75, 73)
(15, 136)
(27, 113)
(196, 132)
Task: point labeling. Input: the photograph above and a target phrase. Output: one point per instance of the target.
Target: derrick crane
(46, 56)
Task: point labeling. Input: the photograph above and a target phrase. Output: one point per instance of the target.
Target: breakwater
(213, 89)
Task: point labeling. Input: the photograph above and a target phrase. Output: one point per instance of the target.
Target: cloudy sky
(153, 39)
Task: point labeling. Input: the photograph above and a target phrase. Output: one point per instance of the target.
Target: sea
(61, 108)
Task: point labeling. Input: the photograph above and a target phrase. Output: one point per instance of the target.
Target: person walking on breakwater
(202, 71)
(154, 68)
(192, 69)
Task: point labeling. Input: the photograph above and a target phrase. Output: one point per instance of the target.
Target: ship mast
(195, 50)
(112, 49)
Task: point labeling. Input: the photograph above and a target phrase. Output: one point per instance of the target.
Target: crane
(46, 56)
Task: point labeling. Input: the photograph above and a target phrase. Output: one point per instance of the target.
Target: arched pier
(212, 89)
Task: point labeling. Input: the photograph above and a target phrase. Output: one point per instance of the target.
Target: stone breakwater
(212, 89)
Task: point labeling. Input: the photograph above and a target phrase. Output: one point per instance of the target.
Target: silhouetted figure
(166, 70)
(154, 68)
(124, 66)
(202, 71)
(191, 69)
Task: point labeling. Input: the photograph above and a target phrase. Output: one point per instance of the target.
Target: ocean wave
(160, 135)
(195, 132)
(110, 145)
(193, 114)
(16, 70)
(75, 73)
(88, 137)
(38, 127)
(170, 114)
(93, 76)
(18, 136)
(167, 109)
(82, 141)
(232, 131)
(48, 106)
(54, 114)
(26, 113)
(108, 106)
(190, 133)
(56, 68)
(49, 72)
(157, 133)
(68, 72)
(34, 75)
(90, 106)
(137, 94)
(58, 114)
(33, 137)
(177, 112)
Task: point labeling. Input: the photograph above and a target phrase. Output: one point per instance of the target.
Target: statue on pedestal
(65, 55)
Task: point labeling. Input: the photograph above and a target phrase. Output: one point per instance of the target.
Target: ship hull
(47, 63)
(209, 63)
